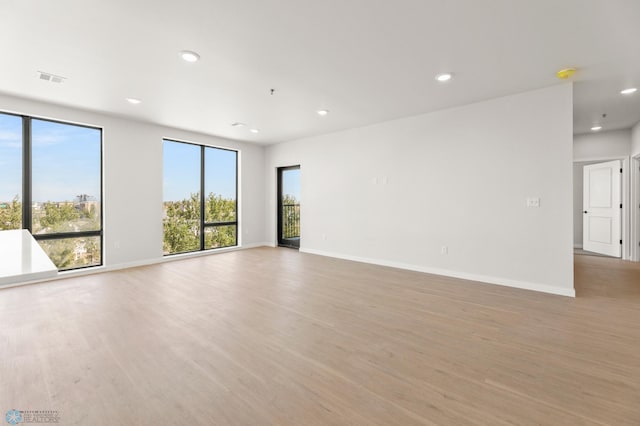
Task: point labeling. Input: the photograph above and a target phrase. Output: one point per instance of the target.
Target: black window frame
(27, 187)
(203, 224)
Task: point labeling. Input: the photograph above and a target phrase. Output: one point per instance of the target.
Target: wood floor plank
(273, 336)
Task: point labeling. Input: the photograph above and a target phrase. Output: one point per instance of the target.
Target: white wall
(133, 179)
(635, 140)
(602, 145)
(635, 190)
(396, 192)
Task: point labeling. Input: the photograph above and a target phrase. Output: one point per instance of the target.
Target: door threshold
(289, 247)
(582, 252)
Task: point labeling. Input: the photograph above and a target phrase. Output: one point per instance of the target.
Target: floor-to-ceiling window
(220, 190)
(10, 172)
(200, 197)
(51, 184)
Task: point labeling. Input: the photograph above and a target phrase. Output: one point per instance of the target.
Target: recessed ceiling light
(323, 112)
(133, 101)
(596, 128)
(238, 124)
(629, 91)
(446, 76)
(254, 130)
(189, 56)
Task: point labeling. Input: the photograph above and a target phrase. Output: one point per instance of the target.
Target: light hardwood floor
(272, 336)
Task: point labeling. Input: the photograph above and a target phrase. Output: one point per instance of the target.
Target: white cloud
(9, 139)
(48, 139)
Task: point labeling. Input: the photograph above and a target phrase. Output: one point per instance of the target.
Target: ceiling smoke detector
(566, 73)
(51, 77)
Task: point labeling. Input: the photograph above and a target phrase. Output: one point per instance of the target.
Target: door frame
(279, 243)
(627, 236)
(611, 171)
(635, 207)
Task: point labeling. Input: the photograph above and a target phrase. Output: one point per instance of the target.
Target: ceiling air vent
(51, 77)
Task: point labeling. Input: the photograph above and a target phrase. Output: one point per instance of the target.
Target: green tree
(182, 223)
(58, 217)
(89, 219)
(220, 236)
(93, 251)
(11, 215)
(220, 209)
(290, 217)
(61, 252)
(289, 199)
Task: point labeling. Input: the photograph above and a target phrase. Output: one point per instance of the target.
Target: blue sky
(10, 157)
(182, 171)
(65, 160)
(291, 183)
(66, 163)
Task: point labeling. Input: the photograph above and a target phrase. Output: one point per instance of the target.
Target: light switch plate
(533, 202)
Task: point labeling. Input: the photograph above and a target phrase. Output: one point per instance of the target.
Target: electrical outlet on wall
(444, 250)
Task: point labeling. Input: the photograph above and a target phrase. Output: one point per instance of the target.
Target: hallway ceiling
(365, 61)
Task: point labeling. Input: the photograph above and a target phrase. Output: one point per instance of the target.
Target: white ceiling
(365, 60)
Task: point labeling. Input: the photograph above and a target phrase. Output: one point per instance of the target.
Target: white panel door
(601, 208)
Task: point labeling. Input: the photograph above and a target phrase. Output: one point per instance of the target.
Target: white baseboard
(544, 288)
(182, 256)
(429, 270)
(254, 245)
(134, 264)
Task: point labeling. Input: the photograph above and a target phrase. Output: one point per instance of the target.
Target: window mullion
(202, 198)
(26, 174)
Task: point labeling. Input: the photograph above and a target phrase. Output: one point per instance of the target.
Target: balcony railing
(291, 221)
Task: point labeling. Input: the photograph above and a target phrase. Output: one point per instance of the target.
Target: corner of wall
(635, 140)
(417, 152)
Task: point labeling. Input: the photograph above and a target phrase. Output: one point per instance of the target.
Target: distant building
(87, 206)
(86, 203)
(80, 251)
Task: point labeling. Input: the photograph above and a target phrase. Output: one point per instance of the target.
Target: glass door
(289, 206)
